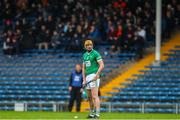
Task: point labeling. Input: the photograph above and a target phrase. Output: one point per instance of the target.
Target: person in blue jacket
(75, 88)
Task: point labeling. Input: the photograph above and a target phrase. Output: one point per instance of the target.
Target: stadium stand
(41, 77)
(127, 25)
(156, 89)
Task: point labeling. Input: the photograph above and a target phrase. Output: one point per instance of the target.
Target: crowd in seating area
(127, 25)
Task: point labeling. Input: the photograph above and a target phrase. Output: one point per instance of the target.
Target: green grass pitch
(66, 115)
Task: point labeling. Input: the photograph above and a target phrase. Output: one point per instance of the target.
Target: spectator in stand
(42, 41)
(98, 20)
(8, 47)
(139, 45)
(169, 20)
(126, 42)
(55, 40)
(177, 15)
(111, 35)
(18, 25)
(39, 22)
(7, 25)
(28, 40)
(15, 46)
(17, 40)
(141, 32)
(50, 24)
(118, 35)
(114, 50)
(93, 33)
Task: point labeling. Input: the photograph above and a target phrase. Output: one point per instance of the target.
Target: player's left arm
(101, 65)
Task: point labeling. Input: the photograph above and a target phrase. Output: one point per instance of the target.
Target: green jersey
(90, 60)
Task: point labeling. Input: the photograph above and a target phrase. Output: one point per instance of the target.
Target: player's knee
(95, 97)
(89, 98)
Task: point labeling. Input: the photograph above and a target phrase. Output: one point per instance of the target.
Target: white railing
(142, 107)
(110, 106)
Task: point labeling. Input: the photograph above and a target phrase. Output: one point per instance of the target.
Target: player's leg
(78, 100)
(89, 95)
(96, 99)
(91, 104)
(71, 100)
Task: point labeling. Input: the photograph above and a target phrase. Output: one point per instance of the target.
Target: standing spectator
(75, 88)
(139, 45)
(141, 32)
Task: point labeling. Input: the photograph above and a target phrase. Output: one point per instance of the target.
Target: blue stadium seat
(43, 76)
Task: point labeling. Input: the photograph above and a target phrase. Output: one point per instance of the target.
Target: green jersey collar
(90, 52)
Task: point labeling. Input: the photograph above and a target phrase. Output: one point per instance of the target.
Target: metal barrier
(142, 107)
(56, 106)
(109, 106)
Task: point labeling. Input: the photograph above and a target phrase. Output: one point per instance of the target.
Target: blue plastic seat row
(16, 92)
(33, 74)
(35, 83)
(129, 93)
(38, 87)
(62, 78)
(148, 89)
(60, 97)
(147, 110)
(143, 97)
(154, 85)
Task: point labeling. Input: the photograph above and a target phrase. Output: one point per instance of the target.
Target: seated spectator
(28, 41)
(39, 22)
(93, 33)
(87, 19)
(111, 35)
(15, 46)
(18, 25)
(75, 45)
(43, 38)
(55, 40)
(8, 47)
(7, 25)
(127, 44)
(114, 50)
(50, 24)
(177, 15)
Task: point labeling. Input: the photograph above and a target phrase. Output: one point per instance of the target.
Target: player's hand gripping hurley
(84, 85)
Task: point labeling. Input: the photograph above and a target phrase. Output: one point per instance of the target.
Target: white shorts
(92, 84)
